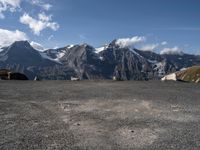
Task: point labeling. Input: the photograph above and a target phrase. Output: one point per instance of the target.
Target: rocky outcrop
(8, 75)
(191, 74)
(17, 76)
(83, 60)
(4, 74)
(124, 63)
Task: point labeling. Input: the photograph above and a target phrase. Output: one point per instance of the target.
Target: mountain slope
(22, 57)
(191, 74)
(124, 63)
(21, 52)
(82, 59)
(85, 62)
(182, 61)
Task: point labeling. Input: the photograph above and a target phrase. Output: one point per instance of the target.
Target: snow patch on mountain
(60, 54)
(101, 58)
(152, 61)
(47, 57)
(133, 51)
(37, 46)
(100, 49)
(70, 46)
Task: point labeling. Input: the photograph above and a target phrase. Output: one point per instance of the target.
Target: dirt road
(100, 115)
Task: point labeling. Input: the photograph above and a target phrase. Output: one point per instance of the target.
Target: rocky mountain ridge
(85, 62)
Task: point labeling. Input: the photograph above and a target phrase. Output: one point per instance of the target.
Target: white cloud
(43, 17)
(45, 6)
(164, 43)
(149, 47)
(37, 46)
(50, 37)
(8, 5)
(8, 37)
(13, 5)
(37, 25)
(172, 51)
(130, 42)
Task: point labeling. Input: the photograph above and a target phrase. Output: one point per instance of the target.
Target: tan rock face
(191, 74)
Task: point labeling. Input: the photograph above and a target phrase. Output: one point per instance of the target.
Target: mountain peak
(85, 62)
(19, 43)
(87, 46)
(21, 46)
(114, 44)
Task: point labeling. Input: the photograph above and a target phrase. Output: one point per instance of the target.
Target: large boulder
(17, 76)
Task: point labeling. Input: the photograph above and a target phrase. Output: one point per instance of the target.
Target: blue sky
(165, 24)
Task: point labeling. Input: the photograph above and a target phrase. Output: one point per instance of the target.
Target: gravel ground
(99, 115)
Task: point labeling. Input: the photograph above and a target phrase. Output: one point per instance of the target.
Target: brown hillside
(191, 74)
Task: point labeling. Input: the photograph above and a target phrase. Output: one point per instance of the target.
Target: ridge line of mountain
(85, 62)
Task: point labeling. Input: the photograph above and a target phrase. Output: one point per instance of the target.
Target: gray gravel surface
(99, 115)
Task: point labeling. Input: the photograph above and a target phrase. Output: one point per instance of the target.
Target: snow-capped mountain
(100, 49)
(23, 53)
(85, 62)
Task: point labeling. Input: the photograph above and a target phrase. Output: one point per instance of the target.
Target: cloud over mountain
(37, 46)
(149, 47)
(8, 37)
(174, 51)
(130, 42)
